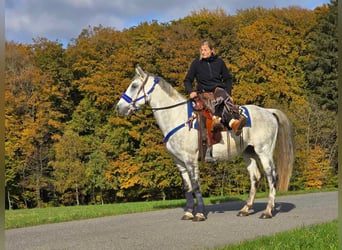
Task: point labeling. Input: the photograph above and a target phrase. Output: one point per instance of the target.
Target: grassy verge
(321, 236)
(37, 216)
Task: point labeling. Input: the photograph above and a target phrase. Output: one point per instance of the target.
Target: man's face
(205, 51)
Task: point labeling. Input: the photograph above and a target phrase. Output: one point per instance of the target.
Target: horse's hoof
(265, 216)
(187, 216)
(199, 217)
(242, 214)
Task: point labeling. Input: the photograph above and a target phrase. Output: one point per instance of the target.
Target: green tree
(96, 169)
(321, 76)
(50, 57)
(69, 168)
(321, 68)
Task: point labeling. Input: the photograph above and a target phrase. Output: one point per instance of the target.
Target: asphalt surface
(165, 230)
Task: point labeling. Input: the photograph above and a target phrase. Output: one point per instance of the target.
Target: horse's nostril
(117, 107)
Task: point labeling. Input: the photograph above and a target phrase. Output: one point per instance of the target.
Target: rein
(168, 107)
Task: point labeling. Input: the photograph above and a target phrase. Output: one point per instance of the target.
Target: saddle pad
(246, 113)
(190, 106)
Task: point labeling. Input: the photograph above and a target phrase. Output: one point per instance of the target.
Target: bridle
(132, 101)
(133, 108)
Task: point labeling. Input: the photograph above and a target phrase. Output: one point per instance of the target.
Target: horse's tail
(284, 152)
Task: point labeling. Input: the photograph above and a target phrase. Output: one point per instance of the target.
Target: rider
(212, 75)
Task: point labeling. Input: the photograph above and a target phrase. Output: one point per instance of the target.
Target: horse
(270, 129)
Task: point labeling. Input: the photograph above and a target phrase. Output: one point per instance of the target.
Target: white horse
(268, 128)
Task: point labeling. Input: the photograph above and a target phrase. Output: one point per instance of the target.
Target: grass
(37, 216)
(316, 237)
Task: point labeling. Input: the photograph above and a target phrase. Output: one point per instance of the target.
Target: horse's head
(137, 93)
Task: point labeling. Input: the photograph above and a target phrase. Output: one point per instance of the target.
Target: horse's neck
(168, 118)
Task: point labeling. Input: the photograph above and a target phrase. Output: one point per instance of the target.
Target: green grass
(315, 237)
(37, 216)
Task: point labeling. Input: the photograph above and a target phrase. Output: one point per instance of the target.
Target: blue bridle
(132, 102)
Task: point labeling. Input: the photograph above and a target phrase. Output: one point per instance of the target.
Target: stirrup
(217, 125)
(240, 124)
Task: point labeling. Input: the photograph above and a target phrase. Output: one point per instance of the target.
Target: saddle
(205, 106)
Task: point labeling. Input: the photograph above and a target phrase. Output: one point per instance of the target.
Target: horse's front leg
(192, 188)
(189, 206)
(199, 216)
(254, 175)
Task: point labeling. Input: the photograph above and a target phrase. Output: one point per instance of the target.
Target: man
(212, 75)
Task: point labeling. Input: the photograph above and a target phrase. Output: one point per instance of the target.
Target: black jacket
(210, 73)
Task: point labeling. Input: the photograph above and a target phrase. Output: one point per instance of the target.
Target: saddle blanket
(194, 125)
(245, 112)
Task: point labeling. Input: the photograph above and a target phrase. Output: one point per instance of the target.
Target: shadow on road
(280, 207)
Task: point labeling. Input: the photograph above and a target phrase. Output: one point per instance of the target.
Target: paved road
(164, 229)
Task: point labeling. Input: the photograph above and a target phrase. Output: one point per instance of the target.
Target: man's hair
(209, 43)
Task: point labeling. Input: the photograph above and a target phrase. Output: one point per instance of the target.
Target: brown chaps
(220, 103)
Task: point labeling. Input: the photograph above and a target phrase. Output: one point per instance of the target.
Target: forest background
(65, 144)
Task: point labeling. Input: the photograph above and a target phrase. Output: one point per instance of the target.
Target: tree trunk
(77, 196)
(9, 201)
(38, 193)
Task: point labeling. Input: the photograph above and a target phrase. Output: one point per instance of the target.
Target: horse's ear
(139, 71)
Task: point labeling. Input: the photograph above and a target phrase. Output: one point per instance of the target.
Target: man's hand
(193, 95)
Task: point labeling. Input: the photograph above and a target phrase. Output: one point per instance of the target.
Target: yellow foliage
(317, 168)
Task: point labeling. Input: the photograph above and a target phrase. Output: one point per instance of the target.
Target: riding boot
(237, 125)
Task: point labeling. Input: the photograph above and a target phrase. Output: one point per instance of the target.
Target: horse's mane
(167, 87)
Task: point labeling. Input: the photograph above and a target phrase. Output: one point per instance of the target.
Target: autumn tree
(30, 89)
(100, 60)
(17, 61)
(65, 143)
(179, 44)
(317, 172)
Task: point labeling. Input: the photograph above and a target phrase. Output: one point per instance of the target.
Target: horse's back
(262, 121)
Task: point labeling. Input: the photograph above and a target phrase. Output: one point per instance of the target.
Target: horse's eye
(134, 85)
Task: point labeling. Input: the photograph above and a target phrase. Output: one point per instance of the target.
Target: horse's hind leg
(254, 174)
(268, 164)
